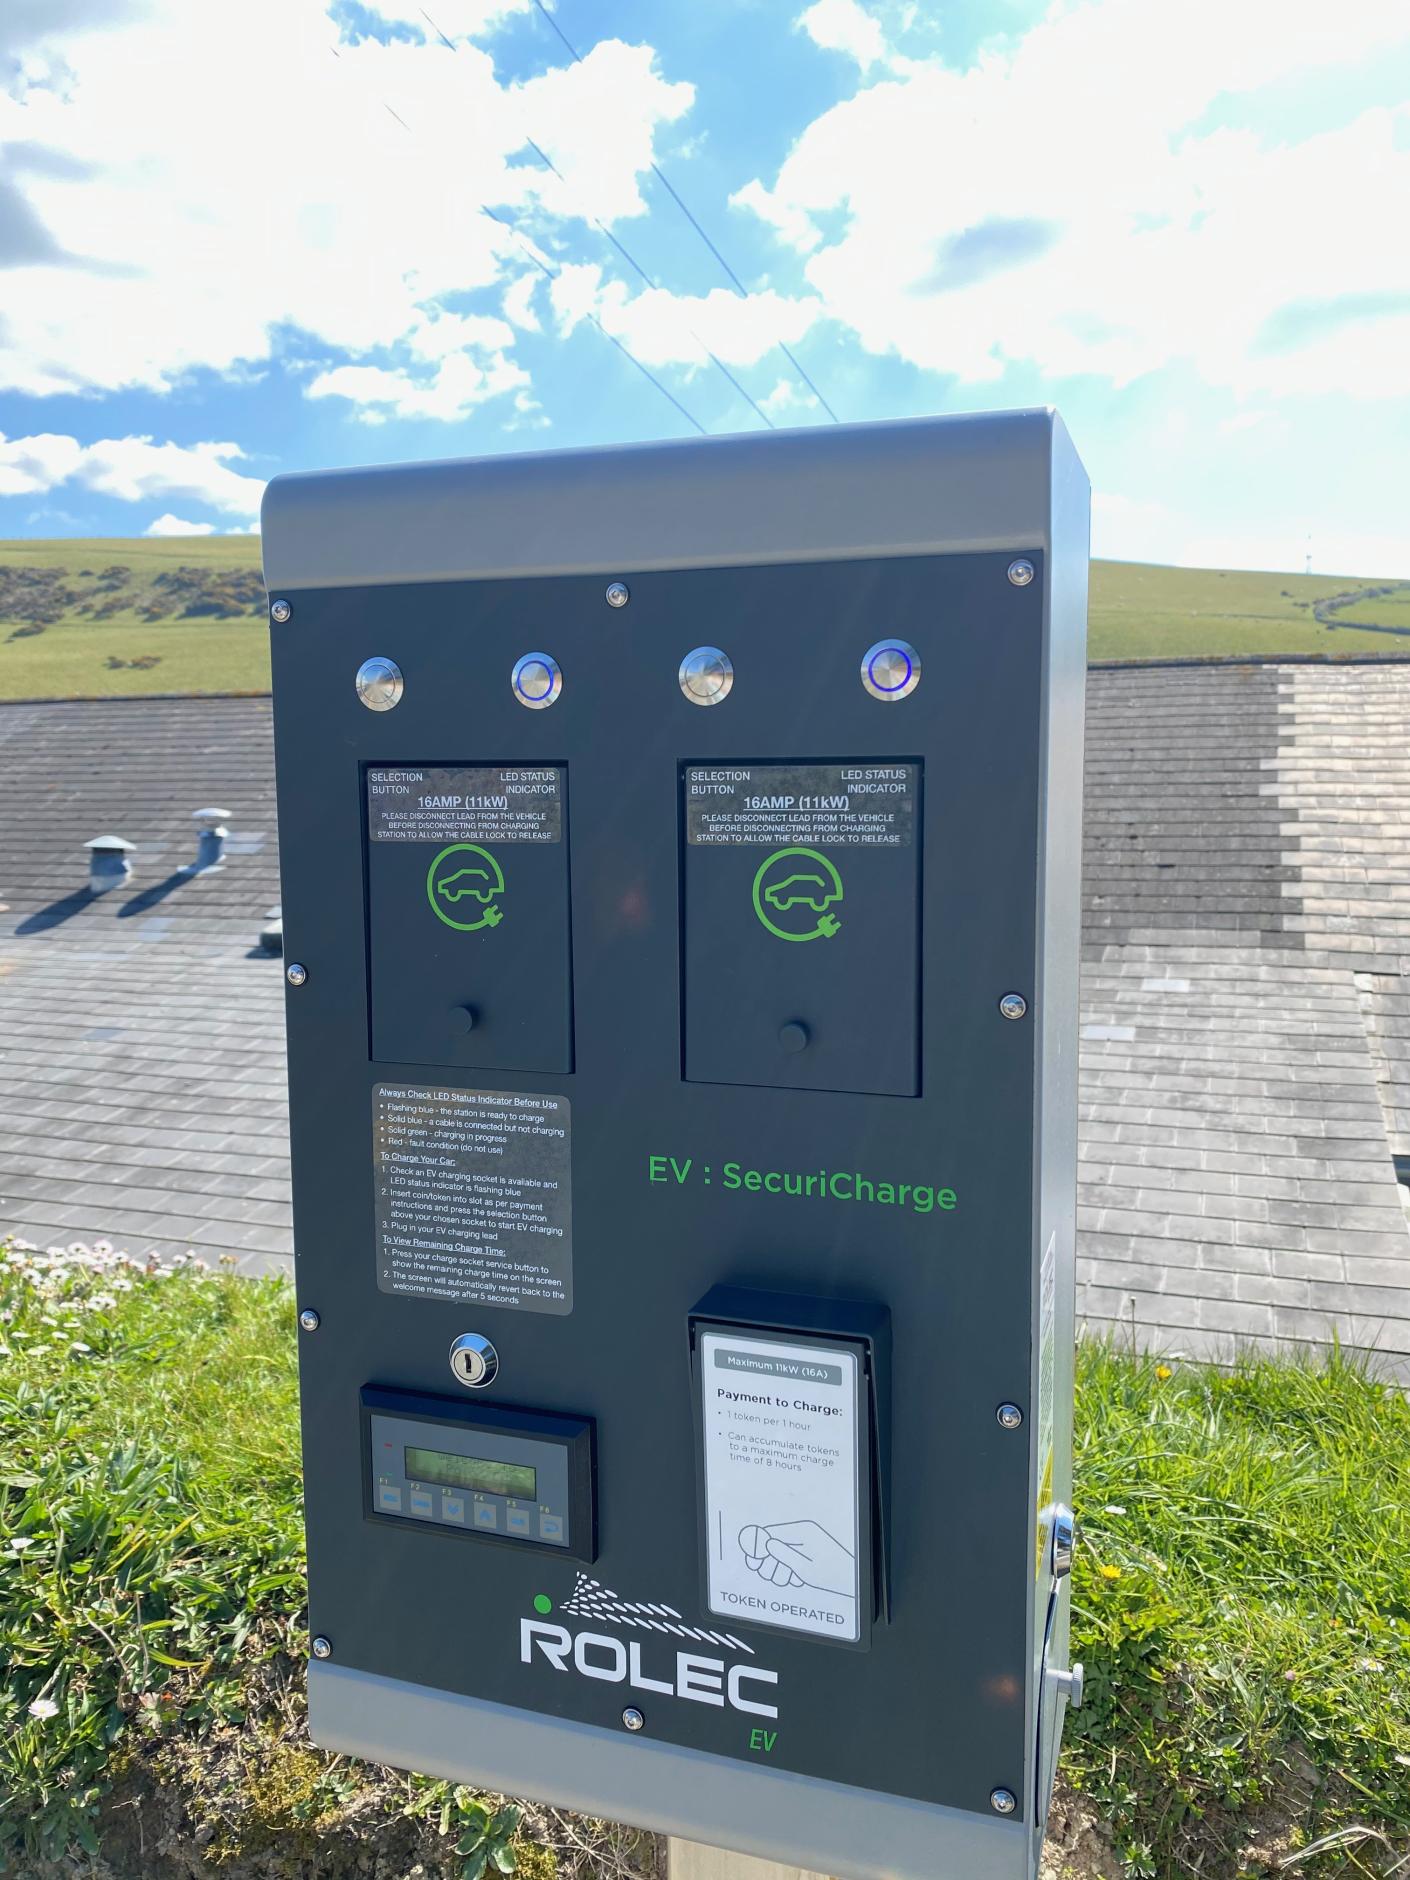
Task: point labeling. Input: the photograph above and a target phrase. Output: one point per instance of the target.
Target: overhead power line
(684, 208)
(552, 274)
(626, 255)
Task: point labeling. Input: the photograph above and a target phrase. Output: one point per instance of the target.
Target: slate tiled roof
(1246, 1007)
(1246, 998)
(142, 1046)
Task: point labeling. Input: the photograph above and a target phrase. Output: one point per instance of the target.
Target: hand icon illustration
(799, 1553)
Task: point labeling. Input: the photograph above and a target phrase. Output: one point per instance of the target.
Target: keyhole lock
(474, 1361)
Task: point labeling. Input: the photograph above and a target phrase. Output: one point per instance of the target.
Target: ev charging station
(681, 850)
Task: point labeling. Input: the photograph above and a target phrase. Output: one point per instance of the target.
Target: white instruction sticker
(782, 1495)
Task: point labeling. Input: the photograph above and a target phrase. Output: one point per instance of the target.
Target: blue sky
(236, 240)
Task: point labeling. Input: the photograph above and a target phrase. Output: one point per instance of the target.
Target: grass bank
(84, 619)
(1242, 1602)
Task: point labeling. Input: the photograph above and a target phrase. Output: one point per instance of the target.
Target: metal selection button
(550, 1527)
(473, 1360)
(421, 1502)
(486, 1514)
(518, 1521)
(452, 1508)
(389, 1498)
(379, 684)
(537, 679)
(706, 675)
(891, 669)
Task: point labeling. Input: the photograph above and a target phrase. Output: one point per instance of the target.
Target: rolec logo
(794, 891)
(646, 1664)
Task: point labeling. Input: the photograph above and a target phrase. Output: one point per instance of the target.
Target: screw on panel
(280, 611)
(1020, 573)
(1010, 1416)
(322, 1647)
(633, 1718)
(1013, 1005)
(618, 594)
(295, 974)
(1002, 1801)
(309, 1321)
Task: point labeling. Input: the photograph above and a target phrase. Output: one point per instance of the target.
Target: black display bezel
(574, 1435)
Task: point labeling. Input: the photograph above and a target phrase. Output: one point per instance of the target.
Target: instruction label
(498, 803)
(474, 1197)
(857, 805)
(782, 1494)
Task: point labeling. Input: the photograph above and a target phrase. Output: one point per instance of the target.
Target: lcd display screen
(472, 1472)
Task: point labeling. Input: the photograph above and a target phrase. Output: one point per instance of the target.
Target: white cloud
(843, 26)
(518, 303)
(1040, 207)
(788, 397)
(132, 469)
(178, 525)
(209, 235)
(31, 464)
(456, 388)
(661, 327)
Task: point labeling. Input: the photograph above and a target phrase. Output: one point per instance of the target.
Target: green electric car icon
(466, 898)
(455, 887)
(802, 891)
(793, 892)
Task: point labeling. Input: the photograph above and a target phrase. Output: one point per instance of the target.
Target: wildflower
(1163, 1371)
(79, 1350)
(1369, 1664)
(43, 1707)
(102, 1248)
(1113, 1507)
(1110, 1573)
(20, 1542)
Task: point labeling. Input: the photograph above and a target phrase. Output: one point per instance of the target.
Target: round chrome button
(891, 669)
(473, 1360)
(706, 675)
(537, 680)
(379, 684)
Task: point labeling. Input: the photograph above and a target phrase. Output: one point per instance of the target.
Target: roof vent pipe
(210, 840)
(108, 864)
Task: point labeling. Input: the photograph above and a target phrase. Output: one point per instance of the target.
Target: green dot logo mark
(542, 1603)
(794, 892)
(463, 884)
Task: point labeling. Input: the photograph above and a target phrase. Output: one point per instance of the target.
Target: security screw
(618, 594)
(633, 1718)
(295, 974)
(322, 1647)
(1013, 1005)
(1010, 1416)
(1002, 1801)
(280, 611)
(1020, 573)
(309, 1321)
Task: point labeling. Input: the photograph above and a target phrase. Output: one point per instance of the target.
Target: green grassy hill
(86, 619)
(83, 619)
